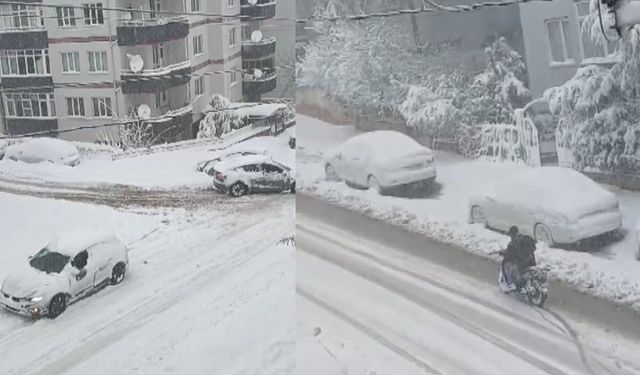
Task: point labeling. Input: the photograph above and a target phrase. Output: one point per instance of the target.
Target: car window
(251, 168)
(49, 261)
(81, 259)
(270, 168)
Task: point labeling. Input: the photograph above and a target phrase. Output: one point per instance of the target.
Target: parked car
(39, 150)
(207, 165)
(552, 204)
(381, 160)
(67, 269)
(252, 174)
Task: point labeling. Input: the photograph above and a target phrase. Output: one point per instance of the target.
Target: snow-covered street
(368, 308)
(608, 271)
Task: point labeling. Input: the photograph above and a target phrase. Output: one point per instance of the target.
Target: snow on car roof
(392, 143)
(242, 161)
(73, 241)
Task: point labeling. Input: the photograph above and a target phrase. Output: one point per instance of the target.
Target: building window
(24, 62)
(195, 5)
(75, 107)
(199, 86)
(197, 45)
(102, 107)
(161, 99)
(20, 17)
(71, 62)
(29, 105)
(232, 37)
(98, 62)
(590, 49)
(560, 47)
(189, 92)
(245, 32)
(66, 16)
(231, 3)
(93, 14)
(233, 77)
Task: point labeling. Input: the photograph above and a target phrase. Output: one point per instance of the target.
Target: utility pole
(414, 24)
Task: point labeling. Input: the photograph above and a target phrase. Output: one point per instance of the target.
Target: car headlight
(35, 299)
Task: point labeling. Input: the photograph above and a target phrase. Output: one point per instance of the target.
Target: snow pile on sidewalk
(162, 170)
(610, 273)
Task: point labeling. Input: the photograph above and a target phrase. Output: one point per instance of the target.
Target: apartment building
(67, 64)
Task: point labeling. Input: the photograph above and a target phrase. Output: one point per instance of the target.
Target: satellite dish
(144, 112)
(257, 73)
(127, 16)
(256, 36)
(136, 63)
(253, 2)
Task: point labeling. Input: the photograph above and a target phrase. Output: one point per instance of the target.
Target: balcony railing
(152, 31)
(258, 50)
(262, 10)
(173, 126)
(253, 86)
(157, 79)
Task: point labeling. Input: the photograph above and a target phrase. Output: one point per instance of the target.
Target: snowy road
(380, 311)
(200, 289)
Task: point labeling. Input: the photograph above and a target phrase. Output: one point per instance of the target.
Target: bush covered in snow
(599, 118)
(219, 119)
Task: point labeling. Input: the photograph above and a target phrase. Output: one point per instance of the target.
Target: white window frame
(233, 77)
(563, 23)
(76, 107)
(195, 5)
(12, 60)
(199, 86)
(26, 101)
(233, 37)
(608, 56)
(102, 107)
(231, 3)
(198, 45)
(162, 99)
(72, 62)
(98, 65)
(28, 17)
(95, 14)
(66, 16)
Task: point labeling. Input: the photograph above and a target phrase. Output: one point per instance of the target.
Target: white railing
(163, 70)
(152, 21)
(265, 41)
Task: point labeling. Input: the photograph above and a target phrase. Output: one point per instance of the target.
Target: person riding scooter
(517, 258)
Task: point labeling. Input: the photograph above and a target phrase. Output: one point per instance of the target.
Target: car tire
(292, 189)
(57, 306)
(374, 184)
(118, 273)
(238, 189)
(541, 233)
(330, 173)
(478, 216)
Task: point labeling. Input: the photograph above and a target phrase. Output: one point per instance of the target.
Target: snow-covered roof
(242, 161)
(256, 109)
(243, 148)
(73, 241)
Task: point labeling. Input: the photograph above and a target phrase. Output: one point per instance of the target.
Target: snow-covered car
(3, 147)
(39, 150)
(252, 174)
(69, 268)
(207, 165)
(554, 205)
(381, 160)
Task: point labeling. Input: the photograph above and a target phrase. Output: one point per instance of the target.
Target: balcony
(260, 50)
(253, 87)
(173, 126)
(27, 38)
(262, 10)
(26, 125)
(150, 81)
(152, 31)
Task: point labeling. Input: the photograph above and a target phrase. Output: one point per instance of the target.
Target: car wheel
(373, 183)
(330, 173)
(543, 234)
(478, 217)
(118, 272)
(238, 189)
(292, 189)
(57, 306)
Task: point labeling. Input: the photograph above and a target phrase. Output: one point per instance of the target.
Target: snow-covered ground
(610, 271)
(160, 170)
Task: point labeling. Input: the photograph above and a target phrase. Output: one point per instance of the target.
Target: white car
(207, 165)
(69, 268)
(381, 160)
(252, 174)
(38, 150)
(552, 204)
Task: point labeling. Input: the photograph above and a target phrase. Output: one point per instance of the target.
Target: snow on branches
(219, 119)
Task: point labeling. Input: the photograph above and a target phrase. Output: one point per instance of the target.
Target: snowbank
(38, 150)
(609, 272)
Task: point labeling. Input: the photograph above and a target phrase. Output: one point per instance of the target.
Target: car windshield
(49, 261)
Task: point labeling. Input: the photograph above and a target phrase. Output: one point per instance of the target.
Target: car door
(275, 177)
(102, 262)
(255, 177)
(82, 274)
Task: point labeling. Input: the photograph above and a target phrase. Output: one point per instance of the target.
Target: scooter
(534, 288)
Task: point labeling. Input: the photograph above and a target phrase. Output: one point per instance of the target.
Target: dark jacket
(521, 251)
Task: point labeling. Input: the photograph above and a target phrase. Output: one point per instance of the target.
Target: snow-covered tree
(599, 118)
(219, 119)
